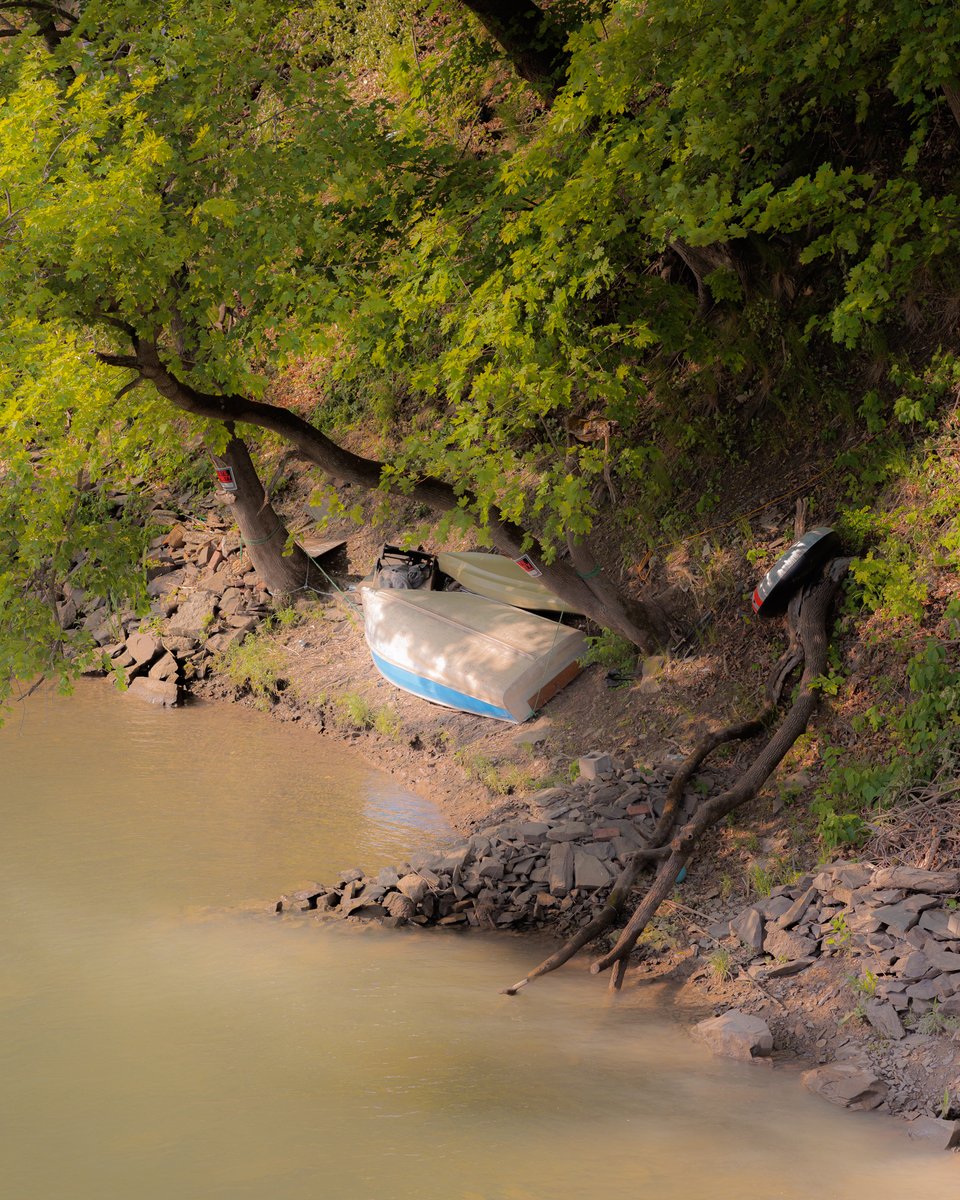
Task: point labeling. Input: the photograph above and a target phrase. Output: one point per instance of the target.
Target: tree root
(808, 642)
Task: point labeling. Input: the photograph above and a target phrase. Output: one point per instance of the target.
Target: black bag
(411, 569)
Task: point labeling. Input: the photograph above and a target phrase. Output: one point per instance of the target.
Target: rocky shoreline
(204, 597)
(551, 870)
(890, 933)
(855, 967)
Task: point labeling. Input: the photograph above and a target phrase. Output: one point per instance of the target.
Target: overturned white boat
(468, 652)
(499, 578)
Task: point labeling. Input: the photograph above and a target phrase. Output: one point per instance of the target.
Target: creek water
(165, 1036)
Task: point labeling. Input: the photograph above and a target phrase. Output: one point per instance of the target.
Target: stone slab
(915, 879)
(749, 928)
(938, 1134)
(787, 946)
(735, 1034)
(560, 865)
(162, 692)
(589, 872)
(884, 1019)
(846, 1085)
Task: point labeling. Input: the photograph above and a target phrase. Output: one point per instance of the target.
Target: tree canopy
(533, 297)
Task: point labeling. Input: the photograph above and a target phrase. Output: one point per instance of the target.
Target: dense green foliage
(917, 755)
(730, 210)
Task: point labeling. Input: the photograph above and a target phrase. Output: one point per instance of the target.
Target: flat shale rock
(846, 1085)
(399, 906)
(735, 1034)
(748, 927)
(161, 692)
(898, 917)
(795, 913)
(165, 668)
(941, 957)
(193, 617)
(951, 1007)
(143, 647)
(942, 924)
(415, 887)
(915, 879)
(937, 1134)
(774, 906)
(588, 871)
(884, 1019)
(560, 866)
(787, 946)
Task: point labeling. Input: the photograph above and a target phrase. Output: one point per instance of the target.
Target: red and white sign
(225, 479)
(526, 563)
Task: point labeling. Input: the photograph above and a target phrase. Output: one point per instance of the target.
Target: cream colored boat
(499, 578)
(468, 652)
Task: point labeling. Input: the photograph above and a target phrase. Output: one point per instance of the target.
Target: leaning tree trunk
(263, 531)
(643, 624)
(807, 619)
(530, 39)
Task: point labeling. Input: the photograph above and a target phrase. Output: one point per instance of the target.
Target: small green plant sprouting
(726, 887)
(285, 618)
(503, 779)
(864, 987)
(386, 722)
(722, 964)
(612, 651)
(759, 880)
(253, 666)
(842, 934)
(353, 711)
(945, 1104)
(936, 1022)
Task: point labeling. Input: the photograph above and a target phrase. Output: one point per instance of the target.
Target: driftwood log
(807, 622)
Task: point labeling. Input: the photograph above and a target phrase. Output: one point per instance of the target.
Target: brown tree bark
(810, 615)
(48, 17)
(643, 626)
(952, 93)
(529, 38)
(262, 529)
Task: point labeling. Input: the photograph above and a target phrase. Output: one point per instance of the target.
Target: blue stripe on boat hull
(428, 689)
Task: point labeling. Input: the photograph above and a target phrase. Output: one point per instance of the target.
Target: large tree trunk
(643, 625)
(528, 37)
(263, 531)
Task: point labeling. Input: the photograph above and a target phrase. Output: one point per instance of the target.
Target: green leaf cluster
(729, 208)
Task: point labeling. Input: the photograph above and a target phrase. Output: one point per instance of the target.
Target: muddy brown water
(163, 1037)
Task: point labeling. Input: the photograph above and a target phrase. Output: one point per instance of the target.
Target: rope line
(353, 610)
(543, 676)
(263, 541)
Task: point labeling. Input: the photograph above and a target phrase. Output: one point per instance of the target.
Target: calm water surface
(162, 1037)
